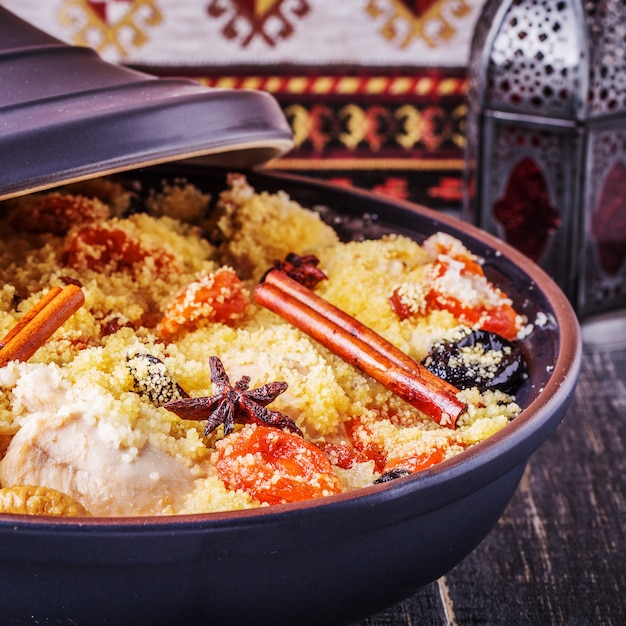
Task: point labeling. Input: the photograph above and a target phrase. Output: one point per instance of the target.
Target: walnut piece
(32, 500)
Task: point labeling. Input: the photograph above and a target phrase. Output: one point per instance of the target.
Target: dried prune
(479, 359)
(151, 379)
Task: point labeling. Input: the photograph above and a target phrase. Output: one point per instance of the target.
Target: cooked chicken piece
(5, 440)
(66, 451)
(29, 500)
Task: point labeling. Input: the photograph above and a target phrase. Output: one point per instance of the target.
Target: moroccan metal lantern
(546, 141)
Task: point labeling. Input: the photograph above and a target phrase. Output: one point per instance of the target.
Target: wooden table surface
(558, 554)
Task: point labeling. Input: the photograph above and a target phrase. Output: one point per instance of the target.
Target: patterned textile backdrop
(374, 89)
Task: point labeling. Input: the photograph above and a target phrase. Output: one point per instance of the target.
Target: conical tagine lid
(67, 115)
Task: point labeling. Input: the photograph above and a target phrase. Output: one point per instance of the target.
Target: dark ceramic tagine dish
(320, 562)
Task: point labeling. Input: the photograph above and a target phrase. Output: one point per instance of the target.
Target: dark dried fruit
(135, 205)
(151, 379)
(396, 472)
(302, 269)
(480, 359)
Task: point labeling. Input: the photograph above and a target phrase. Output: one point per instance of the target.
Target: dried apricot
(103, 248)
(56, 213)
(365, 444)
(488, 308)
(216, 297)
(274, 466)
(416, 462)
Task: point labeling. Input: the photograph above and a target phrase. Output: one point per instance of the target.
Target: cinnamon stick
(31, 313)
(40, 322)
(360, 346)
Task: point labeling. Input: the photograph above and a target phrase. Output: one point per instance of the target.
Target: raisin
(396, 472)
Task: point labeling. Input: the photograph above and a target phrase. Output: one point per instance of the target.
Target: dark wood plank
(426, 605)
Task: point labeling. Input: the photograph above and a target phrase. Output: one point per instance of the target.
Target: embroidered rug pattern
(272, 20)
(398, 134)
(109, 25)
(402, 21)
(374, 90)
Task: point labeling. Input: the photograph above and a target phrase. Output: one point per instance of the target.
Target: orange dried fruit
(274, 466)
(216, 297)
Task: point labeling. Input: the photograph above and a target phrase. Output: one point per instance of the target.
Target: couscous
(145, 401)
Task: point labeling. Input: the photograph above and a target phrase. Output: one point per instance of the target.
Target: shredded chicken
(65, 451)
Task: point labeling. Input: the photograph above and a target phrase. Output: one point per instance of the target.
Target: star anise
(302, 269)
(233, 403)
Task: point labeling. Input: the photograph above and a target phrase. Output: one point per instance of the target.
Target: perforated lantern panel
(535, 60)
(546, 140)
(528, 187)
(604, 273)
